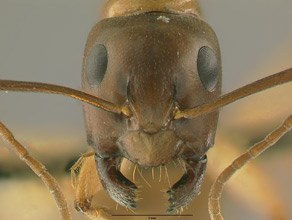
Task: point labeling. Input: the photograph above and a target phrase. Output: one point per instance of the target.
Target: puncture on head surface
(149, 120)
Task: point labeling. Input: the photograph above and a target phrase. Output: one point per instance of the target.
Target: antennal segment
(257, 86)
(20, 86)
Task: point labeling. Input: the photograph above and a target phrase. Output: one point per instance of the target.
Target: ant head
(153, 63)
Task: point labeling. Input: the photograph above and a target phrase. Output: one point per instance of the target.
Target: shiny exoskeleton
(156, 57)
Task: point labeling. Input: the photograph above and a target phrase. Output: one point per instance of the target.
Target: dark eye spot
(96, 65)
(208, 69)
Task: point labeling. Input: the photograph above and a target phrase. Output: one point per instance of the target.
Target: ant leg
(86, 187)
(77, 166)
(40, 170)
(257, 190)
(252, 153)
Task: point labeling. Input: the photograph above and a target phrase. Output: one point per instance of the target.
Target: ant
(143, 124)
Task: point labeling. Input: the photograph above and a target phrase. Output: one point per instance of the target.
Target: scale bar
(185, 215)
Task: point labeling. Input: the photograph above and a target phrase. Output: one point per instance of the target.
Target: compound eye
(96, 65)
(208, 68)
